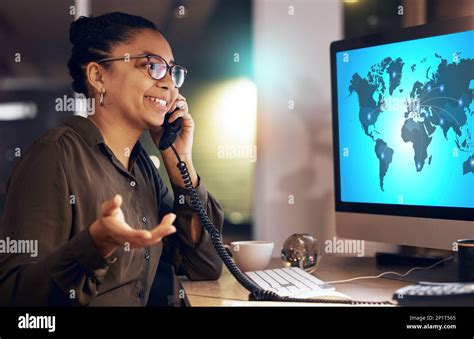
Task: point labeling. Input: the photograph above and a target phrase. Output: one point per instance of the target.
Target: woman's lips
(157, 102)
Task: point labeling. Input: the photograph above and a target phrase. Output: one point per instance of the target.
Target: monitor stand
(408, 257)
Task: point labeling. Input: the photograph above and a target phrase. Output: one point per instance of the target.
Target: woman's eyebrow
(172, 62)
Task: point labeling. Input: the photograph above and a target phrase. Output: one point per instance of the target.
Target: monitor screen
(405, 120)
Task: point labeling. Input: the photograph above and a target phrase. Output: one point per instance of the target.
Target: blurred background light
(228, 110)
(235, 111)
(17, 111)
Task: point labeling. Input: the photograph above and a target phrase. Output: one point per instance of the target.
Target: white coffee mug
(251, 255)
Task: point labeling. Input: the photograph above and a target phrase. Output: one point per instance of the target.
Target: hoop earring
(101, 98)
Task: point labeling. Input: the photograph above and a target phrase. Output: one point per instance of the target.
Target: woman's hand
(184, 142)
(110, 231)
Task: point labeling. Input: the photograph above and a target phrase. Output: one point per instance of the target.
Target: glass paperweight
(301, 250)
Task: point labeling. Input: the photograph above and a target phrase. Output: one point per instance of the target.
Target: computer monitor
(403, 129)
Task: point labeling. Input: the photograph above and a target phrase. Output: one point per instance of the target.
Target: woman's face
(129, 86)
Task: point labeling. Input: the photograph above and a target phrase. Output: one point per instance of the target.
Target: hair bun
(77, 29)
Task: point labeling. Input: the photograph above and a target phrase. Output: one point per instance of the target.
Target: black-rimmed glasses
(157, 68)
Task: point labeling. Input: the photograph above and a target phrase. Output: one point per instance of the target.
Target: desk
(227, 291)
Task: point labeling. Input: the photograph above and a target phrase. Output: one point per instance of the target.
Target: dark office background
(363, 17)
(205, 40)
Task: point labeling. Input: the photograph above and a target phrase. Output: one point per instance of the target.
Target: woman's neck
(118, 134)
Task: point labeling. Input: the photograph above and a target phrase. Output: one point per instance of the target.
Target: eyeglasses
(157, 68)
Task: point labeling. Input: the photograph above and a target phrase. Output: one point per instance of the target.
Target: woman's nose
(166, 82)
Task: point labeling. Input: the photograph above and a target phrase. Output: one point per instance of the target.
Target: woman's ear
(95, 76)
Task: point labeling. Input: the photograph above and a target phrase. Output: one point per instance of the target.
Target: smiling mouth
(161, 103)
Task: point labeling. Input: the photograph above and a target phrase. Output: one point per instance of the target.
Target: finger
(187, 116)
(165, 227)
(178, 114)
(179, 102)
(188, 120)
(161, 231)
(119, 229)
(111, 206)
(168, 219)
(156, 235)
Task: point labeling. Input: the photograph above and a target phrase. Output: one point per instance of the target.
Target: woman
(85, 191)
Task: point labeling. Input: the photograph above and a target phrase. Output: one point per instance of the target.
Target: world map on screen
(406, 120)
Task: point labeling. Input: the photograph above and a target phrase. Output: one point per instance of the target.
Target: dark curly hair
(94, 37)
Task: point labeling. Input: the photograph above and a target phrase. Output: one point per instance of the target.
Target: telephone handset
(171, 131)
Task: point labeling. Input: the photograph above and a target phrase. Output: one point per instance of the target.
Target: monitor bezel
(412, 33)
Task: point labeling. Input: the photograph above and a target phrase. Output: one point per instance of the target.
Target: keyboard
(436, 294)
(290, 282)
